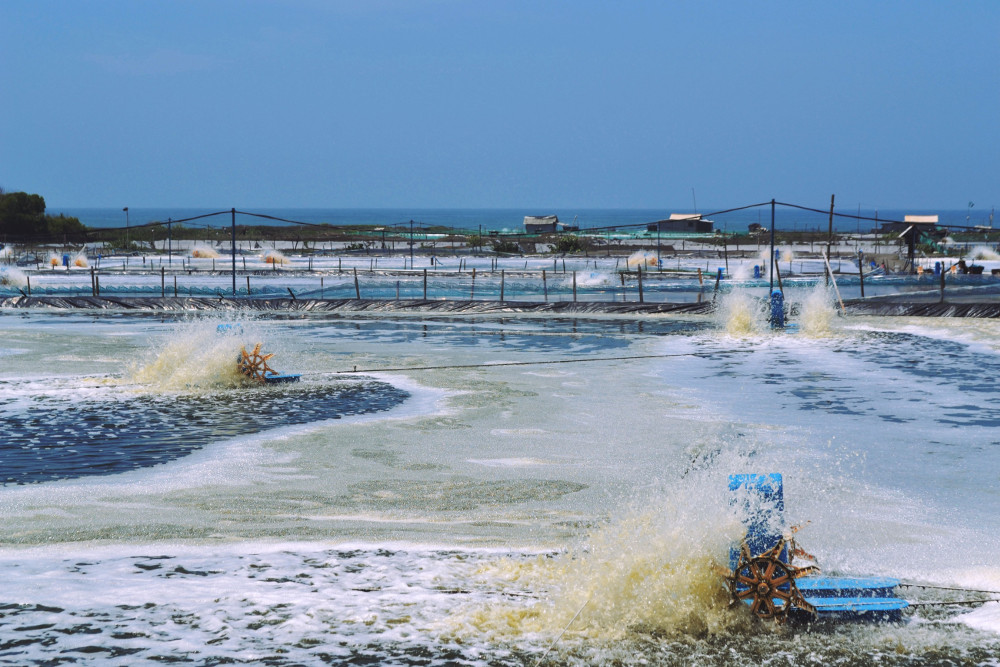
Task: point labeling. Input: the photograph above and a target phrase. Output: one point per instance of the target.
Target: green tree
(64, 226)
(22, 215)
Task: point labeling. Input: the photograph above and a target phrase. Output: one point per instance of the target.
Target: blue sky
(383, 103)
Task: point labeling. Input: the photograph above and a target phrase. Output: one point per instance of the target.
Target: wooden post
(320, 286)
(545, 284)
(93, 287)
(943, 271)
(861, 273)
(163, 282)
(501, 284)
(175, 286)
(28, 278)
(425, 282)
(640, 284)
(357, 287)
(472, 293)
(701, 278)
(97, 281)
(574, 287)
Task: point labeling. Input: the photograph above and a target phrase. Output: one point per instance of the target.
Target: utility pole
(829, 238)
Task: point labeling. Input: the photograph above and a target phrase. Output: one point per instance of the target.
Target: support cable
(526, 363)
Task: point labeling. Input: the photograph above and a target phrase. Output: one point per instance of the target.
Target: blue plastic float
(777, 309)
(762, 574)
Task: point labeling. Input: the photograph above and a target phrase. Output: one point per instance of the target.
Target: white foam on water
(514, 462)
(654, 440)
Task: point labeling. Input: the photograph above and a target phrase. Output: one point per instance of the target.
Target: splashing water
(198, 358)
(654, 571)
(80, 260)
(593, 279)
(641, 258)
(787, 255)
(739, 315)
(12, 277)
(274, 257)
(204, 252)
(817, 313)
(742, 272)
(983, 252)
(55, 260)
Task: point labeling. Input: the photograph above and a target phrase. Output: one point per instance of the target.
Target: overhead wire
(529, 363)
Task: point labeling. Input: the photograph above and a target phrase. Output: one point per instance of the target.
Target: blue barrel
(718, 273)
(777, 310)
(756, 271)
(937, 268)
(65, 260)
(777, 254)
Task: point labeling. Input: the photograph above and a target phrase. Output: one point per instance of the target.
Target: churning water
(469, 512)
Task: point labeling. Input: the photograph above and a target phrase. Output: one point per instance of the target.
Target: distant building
(683, 222)
(925, 223)
(540, 224)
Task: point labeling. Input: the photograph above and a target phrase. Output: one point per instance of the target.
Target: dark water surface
(57, 437)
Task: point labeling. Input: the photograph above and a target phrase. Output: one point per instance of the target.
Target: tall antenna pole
(829, 238)
(234, 252)
(770, 261)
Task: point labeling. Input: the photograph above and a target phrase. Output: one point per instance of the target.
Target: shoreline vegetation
(25, 225)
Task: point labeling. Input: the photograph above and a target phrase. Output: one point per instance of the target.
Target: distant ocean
(505, 219)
